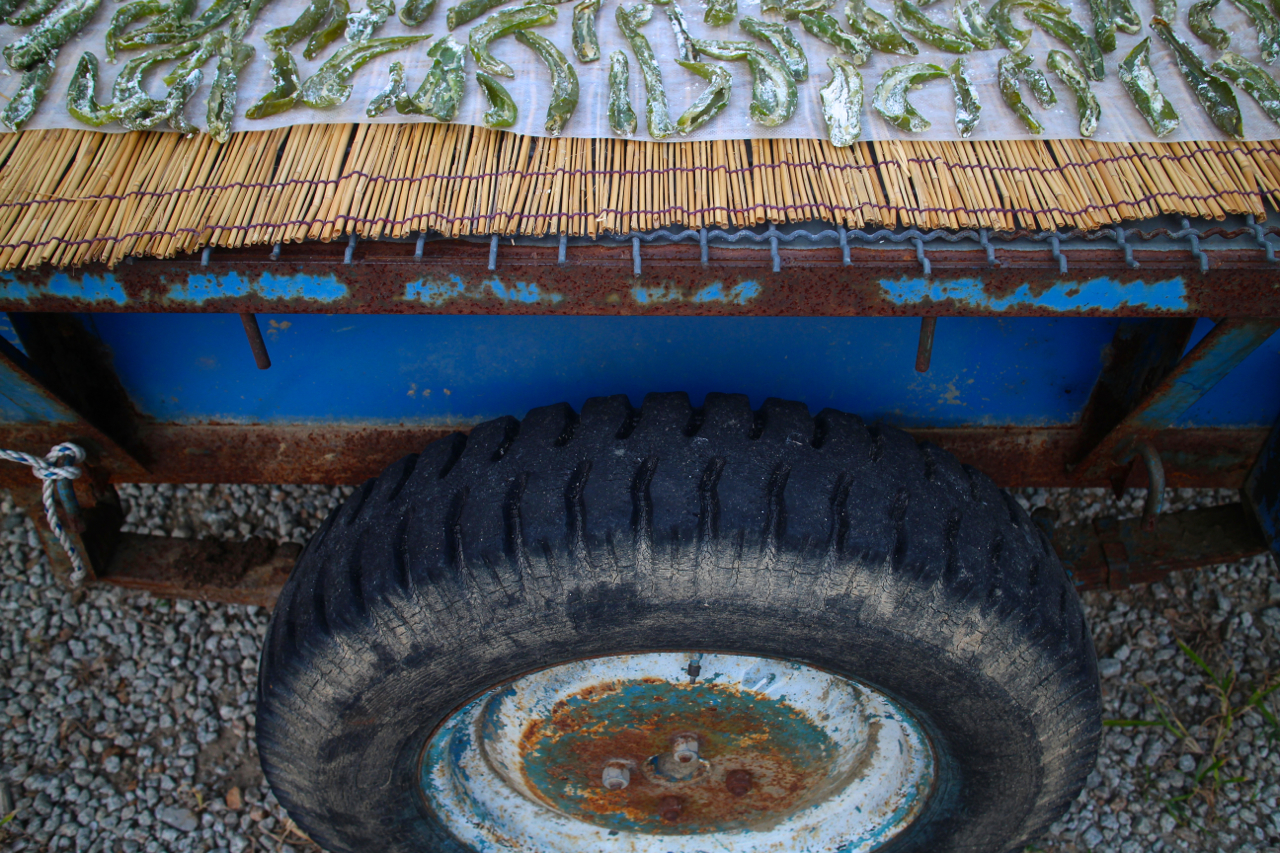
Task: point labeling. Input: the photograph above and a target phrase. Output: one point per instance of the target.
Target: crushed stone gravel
(126, 722)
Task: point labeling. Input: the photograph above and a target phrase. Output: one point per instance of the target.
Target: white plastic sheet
(1120, 121)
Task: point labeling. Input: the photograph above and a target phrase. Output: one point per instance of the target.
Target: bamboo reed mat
(69, 197)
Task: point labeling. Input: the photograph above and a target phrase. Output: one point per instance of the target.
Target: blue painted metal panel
(1262, 489)
(23, 402)
(1247, 396)
(1100, 293)
(423, 369)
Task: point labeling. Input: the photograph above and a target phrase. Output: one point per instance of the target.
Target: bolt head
(669, 808)
(615, 776)
(738, 782)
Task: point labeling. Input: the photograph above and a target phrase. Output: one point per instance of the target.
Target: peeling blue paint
(740, 294)
(201, 288)
(90, 288)
(655, 295)
(437, 293)
(1102, 293)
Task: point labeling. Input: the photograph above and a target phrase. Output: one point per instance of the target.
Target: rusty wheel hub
(654, 752)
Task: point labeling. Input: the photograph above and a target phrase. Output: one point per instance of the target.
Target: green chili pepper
(684, 42)
(774, 96)
(284, 87)
(1213, 93)
(232, 58)
(176, 101)
(657, 113)
(1254, 79)
(585, 44)
(32, 88)
(502, 108)
(720, 12)
(890, 99)
(783, 41)
(793, 9)
(504, 24)
(711, 102)
(31, 12)
(169, 28)
(1125, 17)
(1073, 75)
(1038, 83)
(1009, 72)
(415, 12)
(622, 119)
(1073, 36)
(209, 46)
(363, 24)
(1200, 20)
(1001, 19)
(564, 81)
(127, 89)
(82, 94)
(968, 107)
(878, 30)
(442, 90)
(330, 32)
(392, 93)
(1267, 25)
(842, 102)
(971, 22)
(57, 28)
(328, 87)
(827, 29)
(469, 10)
(8, 7)
(124, 16)
(1104, 24)
(1141, 84)
(911, 18)
(305, 25)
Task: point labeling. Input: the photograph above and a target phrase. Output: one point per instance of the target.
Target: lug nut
(738, 782)
(616, 776)
(669, 808)
(685, 748)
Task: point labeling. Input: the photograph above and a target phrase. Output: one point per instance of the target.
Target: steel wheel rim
(679, 752)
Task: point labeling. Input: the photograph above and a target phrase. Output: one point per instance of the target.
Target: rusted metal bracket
(1216, 355)
(1261, 492)
(924, 350)
(1116, 553)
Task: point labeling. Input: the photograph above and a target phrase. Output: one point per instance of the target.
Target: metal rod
(256, 343)
(924, 353)
(1155, 485)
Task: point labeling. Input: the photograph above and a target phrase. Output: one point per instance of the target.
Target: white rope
(50, 469)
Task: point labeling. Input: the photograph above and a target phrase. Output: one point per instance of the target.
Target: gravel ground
(126, 722)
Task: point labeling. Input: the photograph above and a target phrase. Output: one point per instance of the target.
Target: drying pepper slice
(657, 113)
(31, 12)
(684, 42)
(415, 12)
(842, 102)
(774, 96)
(1213, 93)
(711, 102)
(57, 28)
(284, 87)
(1125, 17)
(328, 86)
(622, 119)
(1000, 17)
(469, 10)
(1200, 20)
(1254, 79)
(968, 107)
(1167, 9)
(124, 16)
(971, 22)
(878, 30)
(1073, 75)
(1141, 84)
(208, 46)
(1038, 83)
(82, 100)
(502, 110)
(783, 41)
(826, 28)
(1267, 25)
(1073, 36)
(32, 88)
(1104, 24)
(232, 58)
(720, 12)
(504, 24)
(911, 18)
(890, 98)
(564, 81)
(305, 25)
(363, 24)
(585, 43)
(394, 92)
(329, 32)
(446, 82)
(1009, 73)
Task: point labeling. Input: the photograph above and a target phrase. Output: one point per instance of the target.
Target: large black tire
(822, 540)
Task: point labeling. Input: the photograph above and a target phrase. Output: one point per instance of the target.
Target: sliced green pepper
(564, 81)
(284, 87)
(657, 113)
(328, 86)
(1009, 72)
(32, 88)
(1141, 84)
(971, 22)
(232, 58)
(1073, 75)
(890, 99)
(1125, 17)
(1267, 25)
(622, 119)
(469, 10)
(209, 46)
(392, 93)
(1167, 9)
(911, 18)
(415, 12)
(328, 32)
(711, 102)
(1213, 93)
(441, 92)
(783, 41)
(1038, 83)
(1073, 36)
(1200, 20)
(504, 24)
(585, 43)
(774, 96)
(124, 16)
(842, 102)
(502, 110)
(1000, 17)
(31, 12)
(826, 28)
(684, 42)
(968, 107)
(878, 30)
(1254, 79)
(720, 12)
(1104, 24)
(56, 29)
(305, 25)
(363, 24)
(82, 100)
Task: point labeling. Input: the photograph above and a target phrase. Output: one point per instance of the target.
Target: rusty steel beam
(249, 572)
(1216, 355)
(454, 277)
(1116, 553)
